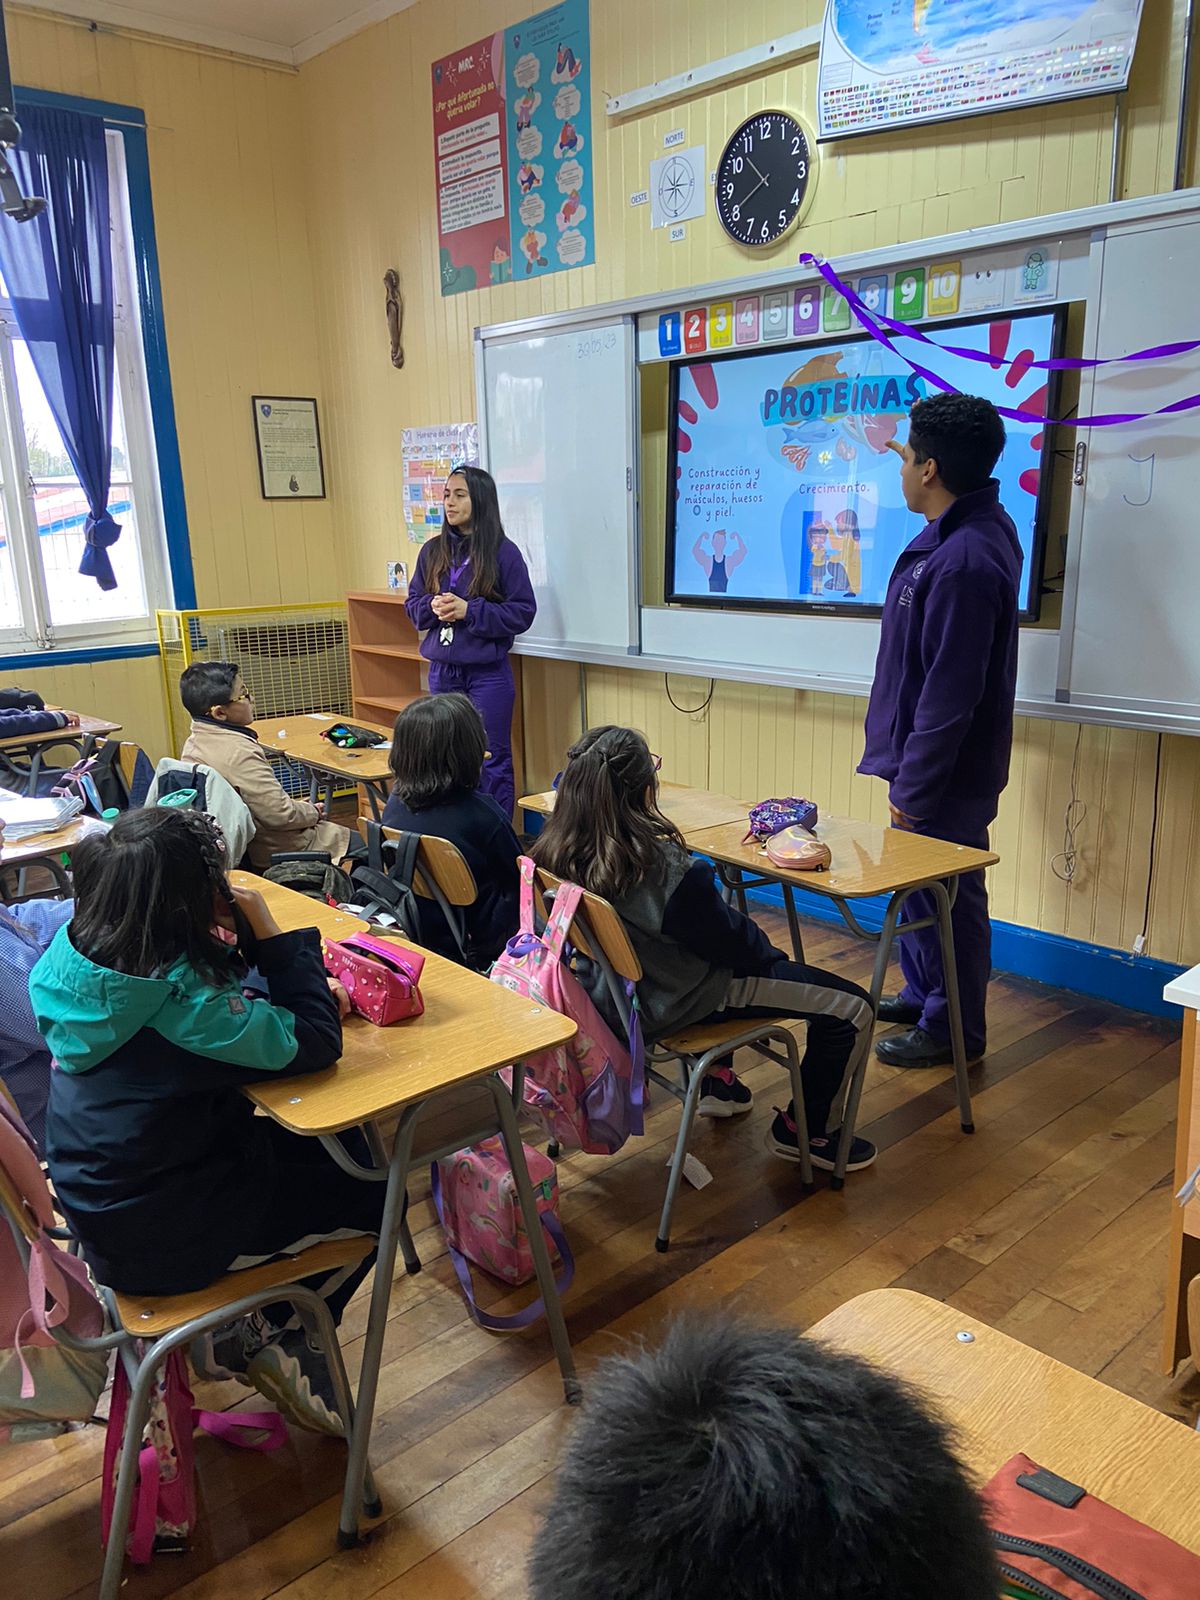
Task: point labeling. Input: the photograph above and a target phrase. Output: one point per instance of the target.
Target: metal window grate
(294, 658)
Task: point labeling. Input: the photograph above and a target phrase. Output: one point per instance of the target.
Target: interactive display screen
(783, 493)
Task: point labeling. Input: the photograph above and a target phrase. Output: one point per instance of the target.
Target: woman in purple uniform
(472, 595)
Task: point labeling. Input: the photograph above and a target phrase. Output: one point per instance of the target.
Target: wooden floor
(1049, 1223)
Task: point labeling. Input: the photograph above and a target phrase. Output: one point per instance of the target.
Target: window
(44, 602)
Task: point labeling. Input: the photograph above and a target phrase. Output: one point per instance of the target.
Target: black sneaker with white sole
(292, 1372)
(782, 1141)
(723, 1094)
(228, 1352)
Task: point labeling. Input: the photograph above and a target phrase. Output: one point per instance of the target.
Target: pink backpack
(477, 1205)
(42, 1384)
(164, 1501)
(589, 1092)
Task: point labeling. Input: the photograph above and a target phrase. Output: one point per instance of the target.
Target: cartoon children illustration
(531, 244)
(526, 106)
(528, 177)
(719, 563)
(500, 269)
(844, 574)
(568, 139)
(566, 65)
(569, 207)
(819, 534)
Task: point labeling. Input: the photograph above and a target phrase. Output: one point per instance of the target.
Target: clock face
(764, 174)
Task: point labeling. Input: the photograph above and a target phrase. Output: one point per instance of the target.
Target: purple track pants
(492, 692)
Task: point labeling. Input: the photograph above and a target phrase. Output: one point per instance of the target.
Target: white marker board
(1135, 579)
(558, 414)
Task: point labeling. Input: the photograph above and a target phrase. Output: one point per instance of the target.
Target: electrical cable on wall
(1139, 944)
(1065, 864)
(690, 711)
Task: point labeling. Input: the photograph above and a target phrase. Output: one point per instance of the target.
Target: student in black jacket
(167, 1177)
(701, 958)
(438, 751)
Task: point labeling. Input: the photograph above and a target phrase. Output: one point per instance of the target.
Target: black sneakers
(723, 1094)
(782, 1141)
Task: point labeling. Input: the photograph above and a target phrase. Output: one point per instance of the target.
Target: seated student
(19, 722)
(25, 932)
(743, 1463)
(165, 1174)
(702, 960)
(438, 750)
(221, 708)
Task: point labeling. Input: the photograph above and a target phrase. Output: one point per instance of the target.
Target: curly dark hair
(747, 1463)
(963, 433)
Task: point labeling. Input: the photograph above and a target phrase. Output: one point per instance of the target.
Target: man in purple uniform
(939, 723)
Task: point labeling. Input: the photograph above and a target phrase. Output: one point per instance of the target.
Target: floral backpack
(770, 817)
(589, 1092)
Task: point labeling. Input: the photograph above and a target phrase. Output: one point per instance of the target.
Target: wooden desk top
(689, 809)
(470, 1027)
(98, 727)
(867, 859)
(59, 842)
(1003, 1397)
(300, 738)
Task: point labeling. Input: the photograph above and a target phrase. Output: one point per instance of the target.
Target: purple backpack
(770, 817)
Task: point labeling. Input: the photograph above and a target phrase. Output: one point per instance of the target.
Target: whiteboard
(558, 419)
(1135, 546)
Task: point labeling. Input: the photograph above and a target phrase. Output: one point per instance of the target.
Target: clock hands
(761, 184)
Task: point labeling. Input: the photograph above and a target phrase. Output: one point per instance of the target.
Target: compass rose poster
(513, 152)
(885, 63)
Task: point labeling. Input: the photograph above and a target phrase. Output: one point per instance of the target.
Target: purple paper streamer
(1103, 420)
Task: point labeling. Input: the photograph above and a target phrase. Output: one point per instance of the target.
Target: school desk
(1002, 1398)
(46, 850)
(686, 807)
(868, 860)
(29, 748)
(299, 739)
(471, 1028)
(1181, 1332)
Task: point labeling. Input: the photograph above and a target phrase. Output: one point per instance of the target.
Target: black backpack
(179, 788)
(383, 886)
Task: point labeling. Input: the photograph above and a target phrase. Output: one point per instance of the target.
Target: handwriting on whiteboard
(1143, 461)
(595, 344)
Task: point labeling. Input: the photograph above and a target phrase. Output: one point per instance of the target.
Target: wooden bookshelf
(387, 672)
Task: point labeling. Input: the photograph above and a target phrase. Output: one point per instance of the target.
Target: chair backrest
(441, 870)
(598, 933)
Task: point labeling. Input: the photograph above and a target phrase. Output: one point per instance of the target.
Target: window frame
(149, 415)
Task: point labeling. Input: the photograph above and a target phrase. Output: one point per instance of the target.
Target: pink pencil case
(382, 979)
(797, 850)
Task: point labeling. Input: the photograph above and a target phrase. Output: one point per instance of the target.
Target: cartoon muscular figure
(720, 563)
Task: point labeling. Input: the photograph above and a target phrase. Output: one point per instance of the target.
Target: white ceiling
(276, 30)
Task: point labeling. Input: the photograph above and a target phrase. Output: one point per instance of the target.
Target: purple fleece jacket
(486, 634)
(940, 719)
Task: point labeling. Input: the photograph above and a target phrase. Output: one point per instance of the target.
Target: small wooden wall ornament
(394, 309)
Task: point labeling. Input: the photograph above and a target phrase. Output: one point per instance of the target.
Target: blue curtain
(58, 269)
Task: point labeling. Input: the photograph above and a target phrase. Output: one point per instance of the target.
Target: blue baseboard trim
(1136, 982)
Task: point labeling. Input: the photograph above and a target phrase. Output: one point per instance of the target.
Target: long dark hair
(438, 746)
(146, 893)
(487, 535)
(606, 831)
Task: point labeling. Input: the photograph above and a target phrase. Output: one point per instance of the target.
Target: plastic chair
(442, 875)
(171, 1322)
(598, 933)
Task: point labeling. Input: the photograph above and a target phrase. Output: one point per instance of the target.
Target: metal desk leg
(789, 902)
(511, 1133)
(883, 951)
(373, 799)
(412, 1261)
(381, 1290)
(739, 892)
(950, 972)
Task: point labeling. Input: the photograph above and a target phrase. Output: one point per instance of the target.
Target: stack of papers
(23, 817)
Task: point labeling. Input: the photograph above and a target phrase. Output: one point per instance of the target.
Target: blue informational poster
(547, 66)
(787, 493)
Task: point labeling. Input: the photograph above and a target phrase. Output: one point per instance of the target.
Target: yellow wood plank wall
(230, 201)
(370, 149)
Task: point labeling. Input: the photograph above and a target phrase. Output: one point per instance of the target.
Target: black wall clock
(765, 172)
